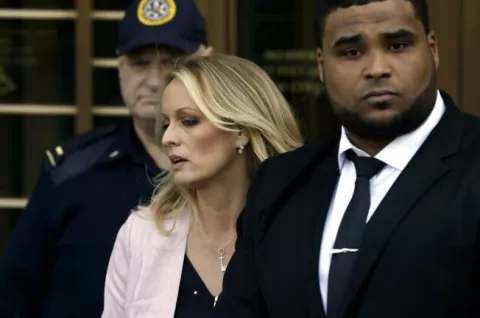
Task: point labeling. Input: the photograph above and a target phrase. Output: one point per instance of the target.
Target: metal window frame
(13, 203)
(83, 110)
(83, 41)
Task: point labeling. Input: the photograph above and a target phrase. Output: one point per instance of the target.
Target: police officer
(55, 263)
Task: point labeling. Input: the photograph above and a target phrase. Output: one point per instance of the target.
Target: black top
(194, 299)
(56, 261)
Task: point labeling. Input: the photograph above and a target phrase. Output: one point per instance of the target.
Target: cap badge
(156, 12)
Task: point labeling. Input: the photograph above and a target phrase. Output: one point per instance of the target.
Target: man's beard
(401, 124)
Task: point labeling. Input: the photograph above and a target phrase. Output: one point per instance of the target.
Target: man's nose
(378, 66)
(154, 76)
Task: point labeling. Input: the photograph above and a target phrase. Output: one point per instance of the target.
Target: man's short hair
(326, 7)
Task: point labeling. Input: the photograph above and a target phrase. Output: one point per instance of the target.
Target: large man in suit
(384, 219)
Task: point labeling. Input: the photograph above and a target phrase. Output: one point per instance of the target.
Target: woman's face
(199, 152)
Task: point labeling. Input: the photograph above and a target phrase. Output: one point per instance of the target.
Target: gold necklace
(220, 250)
(221, 253)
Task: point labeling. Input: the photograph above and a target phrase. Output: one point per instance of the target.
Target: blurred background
(58, 73)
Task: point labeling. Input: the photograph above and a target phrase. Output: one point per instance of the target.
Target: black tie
(351, 229)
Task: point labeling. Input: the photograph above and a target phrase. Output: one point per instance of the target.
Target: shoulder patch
(56, 155)
(156, 12)
(79, 153)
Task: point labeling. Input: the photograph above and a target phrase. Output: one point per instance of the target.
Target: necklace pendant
(223, 267)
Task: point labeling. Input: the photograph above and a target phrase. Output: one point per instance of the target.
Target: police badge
(156, 12)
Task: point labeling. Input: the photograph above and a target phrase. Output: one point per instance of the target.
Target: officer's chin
(147, 114)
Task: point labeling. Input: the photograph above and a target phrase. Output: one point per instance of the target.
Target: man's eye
(352, 53)
(140, 62)
(397, 46)
(169, 63)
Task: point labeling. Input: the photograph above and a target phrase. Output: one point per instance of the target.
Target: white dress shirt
(396, 155)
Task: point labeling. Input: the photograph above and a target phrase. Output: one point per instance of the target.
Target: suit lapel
(312, 182)
(320, 193)
(425, 168)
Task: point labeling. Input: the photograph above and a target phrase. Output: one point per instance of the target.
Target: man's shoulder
(79, 153)
(294, 161)
(471, 126)
(278, 173)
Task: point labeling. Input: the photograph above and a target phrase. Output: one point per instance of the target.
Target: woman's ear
(242, 141)
(243, 138)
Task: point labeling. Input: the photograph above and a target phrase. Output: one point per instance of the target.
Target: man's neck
(145, 131)
(371, 147)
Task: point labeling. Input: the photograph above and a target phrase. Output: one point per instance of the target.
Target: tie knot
(366, 167)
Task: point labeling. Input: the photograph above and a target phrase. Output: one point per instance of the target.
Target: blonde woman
(222, 116)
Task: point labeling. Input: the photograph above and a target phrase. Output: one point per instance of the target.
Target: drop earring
(240, 149)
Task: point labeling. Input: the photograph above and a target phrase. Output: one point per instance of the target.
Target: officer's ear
(203, 50)
(121, 60)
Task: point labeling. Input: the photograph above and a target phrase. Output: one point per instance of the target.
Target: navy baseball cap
(176, 23)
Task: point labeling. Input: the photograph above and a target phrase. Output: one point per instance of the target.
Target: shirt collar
(128, 146)
(400, 151)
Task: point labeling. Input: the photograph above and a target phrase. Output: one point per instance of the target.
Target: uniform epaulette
(80, 153)
(56, 155)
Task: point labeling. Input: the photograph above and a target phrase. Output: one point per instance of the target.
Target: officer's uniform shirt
(57, 258)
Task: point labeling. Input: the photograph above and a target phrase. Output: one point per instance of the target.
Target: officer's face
(204, 152)
(142, 74)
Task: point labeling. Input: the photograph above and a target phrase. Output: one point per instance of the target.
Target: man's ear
(433, 46)
(203, 51)
(120, 65)
(320, 64)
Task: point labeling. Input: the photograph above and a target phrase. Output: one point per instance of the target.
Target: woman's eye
(189, 122)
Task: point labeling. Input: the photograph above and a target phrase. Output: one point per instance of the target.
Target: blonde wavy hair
(234, 94)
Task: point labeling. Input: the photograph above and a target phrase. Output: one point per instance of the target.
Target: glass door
(38, 93)
(279, 36)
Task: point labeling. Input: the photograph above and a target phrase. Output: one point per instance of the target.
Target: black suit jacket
(420, 255)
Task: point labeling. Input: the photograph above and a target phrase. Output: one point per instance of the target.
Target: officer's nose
(154, 76)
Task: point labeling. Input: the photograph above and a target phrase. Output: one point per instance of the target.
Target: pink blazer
(143, 276)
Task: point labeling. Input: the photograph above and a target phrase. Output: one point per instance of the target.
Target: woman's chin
(185, 181)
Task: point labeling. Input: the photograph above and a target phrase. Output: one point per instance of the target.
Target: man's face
(142, 79)
(379, 68)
